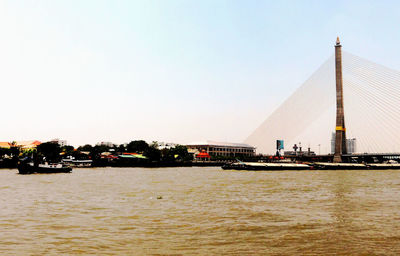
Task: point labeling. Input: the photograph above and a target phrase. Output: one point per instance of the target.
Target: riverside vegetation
(134, 153)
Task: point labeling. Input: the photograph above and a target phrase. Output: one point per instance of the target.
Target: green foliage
(86, 147)
(137, 146)
(50, 150)
(5, 151)
(14, 151)
(100, 149)
(140, 146)
(67, 149)
(177, 153)
(97, 150)
(121, 148)
(153, 153)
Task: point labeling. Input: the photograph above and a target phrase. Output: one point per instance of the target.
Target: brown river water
(200, 211)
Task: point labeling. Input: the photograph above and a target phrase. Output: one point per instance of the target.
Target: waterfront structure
(300, 152)
(214, 148)
(204, 156)
(340, 137)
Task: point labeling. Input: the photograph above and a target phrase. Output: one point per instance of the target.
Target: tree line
(54, 152)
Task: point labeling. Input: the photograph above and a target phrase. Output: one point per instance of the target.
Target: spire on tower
(337, 41)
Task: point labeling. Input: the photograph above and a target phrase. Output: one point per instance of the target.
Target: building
(105, 143)
(351, 145)
(62, 143)
(214, 148)
(299, 153)
(166, 145)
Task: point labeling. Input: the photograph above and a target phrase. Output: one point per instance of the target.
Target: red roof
(203, 155)
(4, 145)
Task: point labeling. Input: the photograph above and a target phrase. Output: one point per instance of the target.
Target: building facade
(214, 148)
(351, 145)
(105, 143)
(62, 143)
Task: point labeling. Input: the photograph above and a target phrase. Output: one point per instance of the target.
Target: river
(200, 211)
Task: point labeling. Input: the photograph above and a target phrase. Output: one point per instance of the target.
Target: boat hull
(384, 166)
(265, 167)
(339, 166)
(28, 169)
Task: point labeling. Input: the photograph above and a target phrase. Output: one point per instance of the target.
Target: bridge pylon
(340, 138)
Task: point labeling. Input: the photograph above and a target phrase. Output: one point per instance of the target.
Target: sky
(172, 71)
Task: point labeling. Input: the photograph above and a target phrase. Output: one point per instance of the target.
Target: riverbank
(13, 164)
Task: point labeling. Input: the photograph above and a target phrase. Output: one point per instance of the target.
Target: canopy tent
(133, 156)
(203, 155)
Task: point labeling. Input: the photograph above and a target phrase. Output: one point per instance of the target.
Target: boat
(29, 167)
(78, 163)
(338, 166)
(250, 166)
(384, 166)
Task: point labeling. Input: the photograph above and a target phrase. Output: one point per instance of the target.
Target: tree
(68, 150)
(4, 151)
(177, 153)
(153, 153)
(86, 147)
(121, 148)
(137, 146)
(50, 150)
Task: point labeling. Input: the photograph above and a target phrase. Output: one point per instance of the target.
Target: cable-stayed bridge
(371, 95)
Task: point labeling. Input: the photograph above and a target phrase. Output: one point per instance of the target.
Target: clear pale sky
(176, 71)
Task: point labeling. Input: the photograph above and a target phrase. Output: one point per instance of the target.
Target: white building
(214, 148)
(105, 143)
(167, 145)
(62, 143)
(351, 144)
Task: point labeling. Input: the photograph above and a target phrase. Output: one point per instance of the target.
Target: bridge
(365, 97)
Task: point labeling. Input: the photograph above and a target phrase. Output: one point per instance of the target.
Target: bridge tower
(340, 139)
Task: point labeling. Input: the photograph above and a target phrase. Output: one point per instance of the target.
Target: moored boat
(249, 166)
(28, 167)
(78, 163)
(384, 166)
(338, 166)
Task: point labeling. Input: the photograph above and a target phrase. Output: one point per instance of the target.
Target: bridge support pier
(340, 139)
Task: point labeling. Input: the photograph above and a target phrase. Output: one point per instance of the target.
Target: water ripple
(200, 211)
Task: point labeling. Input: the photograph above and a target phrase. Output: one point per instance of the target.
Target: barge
(248, 166)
